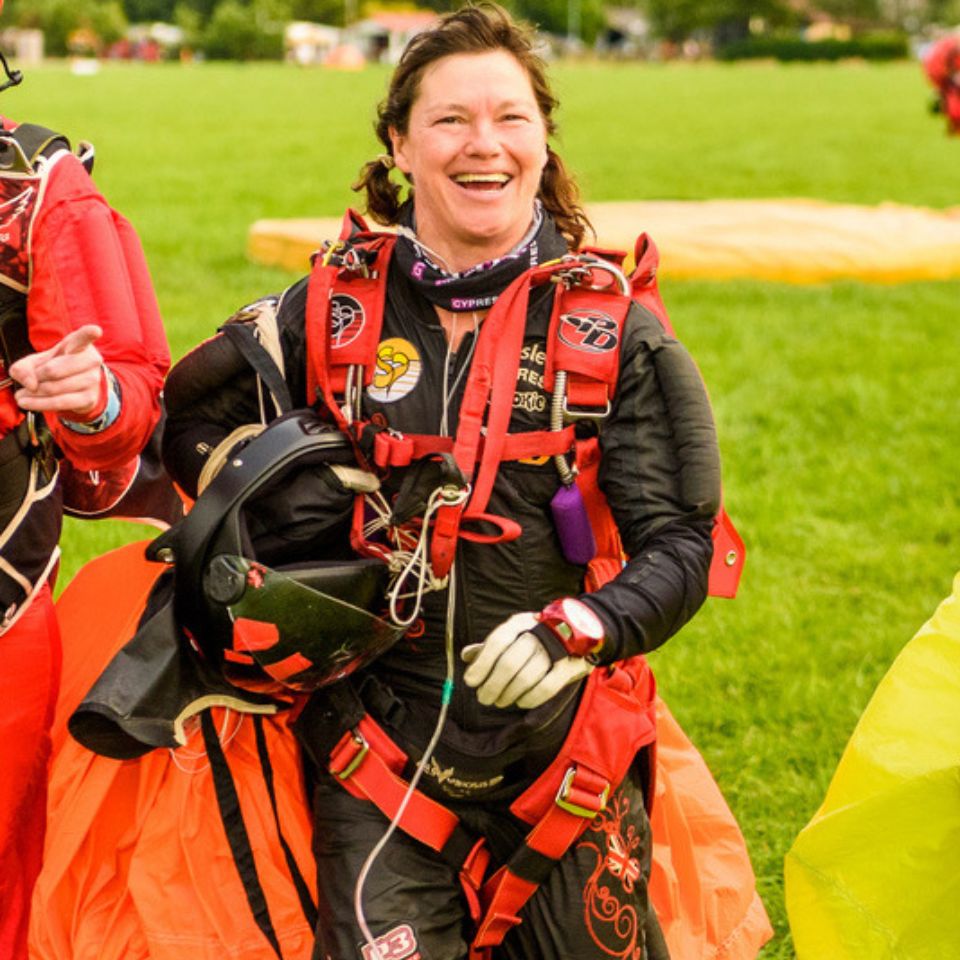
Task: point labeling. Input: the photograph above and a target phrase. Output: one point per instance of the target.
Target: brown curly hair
(476, 28)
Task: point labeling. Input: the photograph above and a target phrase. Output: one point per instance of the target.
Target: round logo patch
(397, 371)
(346, 319)
(590, 330)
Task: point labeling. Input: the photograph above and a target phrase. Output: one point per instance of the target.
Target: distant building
(24, 46)
(382, 36)
(308, 43)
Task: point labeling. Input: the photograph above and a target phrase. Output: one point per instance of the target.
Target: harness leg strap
(367, 764)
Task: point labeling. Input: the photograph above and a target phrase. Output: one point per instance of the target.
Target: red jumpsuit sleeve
(89, 267)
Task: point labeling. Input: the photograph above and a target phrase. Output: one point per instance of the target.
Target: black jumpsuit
(660, 472)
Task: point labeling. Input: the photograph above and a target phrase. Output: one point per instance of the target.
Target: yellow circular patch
(397, 371)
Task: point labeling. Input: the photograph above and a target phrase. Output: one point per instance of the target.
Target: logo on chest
(346, 319)
(589, 330)
(397, 370)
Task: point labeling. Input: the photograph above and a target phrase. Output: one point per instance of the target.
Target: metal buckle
(362, 748)
(580, 272)
(564, 803)
(583, 413)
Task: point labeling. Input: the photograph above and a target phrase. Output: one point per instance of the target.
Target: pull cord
(445, 698)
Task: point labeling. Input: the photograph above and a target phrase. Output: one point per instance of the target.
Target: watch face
(582, 619)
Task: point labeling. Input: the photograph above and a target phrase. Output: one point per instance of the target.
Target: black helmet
(250, 588)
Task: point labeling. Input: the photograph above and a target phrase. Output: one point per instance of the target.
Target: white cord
(448, 393)
(414, 780)
(417, 563)
(178, 754)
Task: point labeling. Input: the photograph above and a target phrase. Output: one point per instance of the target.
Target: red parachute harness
(51, 219)
(616, 716)
(342, 361)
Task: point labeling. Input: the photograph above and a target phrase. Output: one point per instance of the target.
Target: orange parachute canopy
(137, 865)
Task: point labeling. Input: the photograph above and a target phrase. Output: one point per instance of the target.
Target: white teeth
(481, 178)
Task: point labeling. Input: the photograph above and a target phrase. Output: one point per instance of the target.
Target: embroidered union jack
(620, 863)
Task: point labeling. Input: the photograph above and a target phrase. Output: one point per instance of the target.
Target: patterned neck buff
(478, 287)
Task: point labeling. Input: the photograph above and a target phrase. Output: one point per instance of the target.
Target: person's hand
(513, 666)
(69, 378)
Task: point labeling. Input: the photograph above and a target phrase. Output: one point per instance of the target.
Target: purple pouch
(573, 525)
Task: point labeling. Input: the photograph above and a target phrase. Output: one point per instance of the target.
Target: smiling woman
(537, 475)
(521, 677)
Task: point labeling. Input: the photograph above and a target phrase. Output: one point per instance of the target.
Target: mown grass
(835, 404)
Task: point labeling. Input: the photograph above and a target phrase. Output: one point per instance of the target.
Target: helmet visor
(293, 627)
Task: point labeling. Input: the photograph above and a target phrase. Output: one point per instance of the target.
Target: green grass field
(836, 404)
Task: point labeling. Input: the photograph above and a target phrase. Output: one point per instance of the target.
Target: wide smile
(481, 182)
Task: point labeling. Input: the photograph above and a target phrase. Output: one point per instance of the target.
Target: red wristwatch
(575, 625)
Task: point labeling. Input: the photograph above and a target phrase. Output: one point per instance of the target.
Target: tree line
(253, 28)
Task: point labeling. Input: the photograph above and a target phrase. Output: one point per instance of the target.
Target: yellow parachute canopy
(788, 240)
(874, 875)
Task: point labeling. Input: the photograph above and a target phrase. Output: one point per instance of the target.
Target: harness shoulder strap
(346, 295)
(585, 320)
(583, 343)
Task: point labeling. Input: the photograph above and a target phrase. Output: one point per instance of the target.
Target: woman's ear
(397, 141)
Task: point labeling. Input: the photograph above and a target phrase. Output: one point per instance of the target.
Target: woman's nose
(483, 140)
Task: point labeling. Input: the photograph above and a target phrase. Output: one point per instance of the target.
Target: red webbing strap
(367, 764)
(609, 558)
(401, 449)
(489, 392)
(616, 717)
(729, 552)
(352, 341)
(643, 280)
(362, 766)
(505, 893)
(584, 340)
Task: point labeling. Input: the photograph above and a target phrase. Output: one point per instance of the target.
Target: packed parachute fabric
(137, 866)
(787, 240)
(874, 874)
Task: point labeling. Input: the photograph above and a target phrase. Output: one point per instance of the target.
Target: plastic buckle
(348, 754)
(567, 788)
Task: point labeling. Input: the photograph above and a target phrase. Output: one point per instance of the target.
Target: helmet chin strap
(445, 698)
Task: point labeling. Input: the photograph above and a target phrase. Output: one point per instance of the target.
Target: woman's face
(475, 147)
